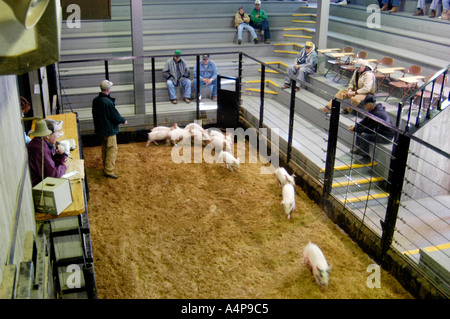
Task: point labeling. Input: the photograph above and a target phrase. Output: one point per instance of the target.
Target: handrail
(410, 100)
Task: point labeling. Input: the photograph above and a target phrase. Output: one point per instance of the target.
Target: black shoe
(255, 40)
(239, 41)
(364, 160)
(113, 176)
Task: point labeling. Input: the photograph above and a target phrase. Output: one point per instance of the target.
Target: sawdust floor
(166, 230)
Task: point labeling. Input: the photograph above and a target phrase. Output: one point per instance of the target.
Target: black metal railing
(382, 219)
(417, 100)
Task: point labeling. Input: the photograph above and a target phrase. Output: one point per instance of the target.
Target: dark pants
(364, 140)
(262, 26)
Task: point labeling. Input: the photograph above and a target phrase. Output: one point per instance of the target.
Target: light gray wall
(15, 218)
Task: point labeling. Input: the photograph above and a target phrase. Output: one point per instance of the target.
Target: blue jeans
(263, 26)
(394, 2)
(185, 83)
(212, 86)
(244, 26)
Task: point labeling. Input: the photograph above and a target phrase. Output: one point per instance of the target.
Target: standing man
(177, 73)
(208, 76)
(305, 63)
(260, 20)
(361, 84)
(369, 131)
(106, 123)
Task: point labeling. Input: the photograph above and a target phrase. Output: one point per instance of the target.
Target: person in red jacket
(55, 164)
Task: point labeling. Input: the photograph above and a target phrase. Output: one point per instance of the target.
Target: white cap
(105, 85)
(360, 62)
(257, 2)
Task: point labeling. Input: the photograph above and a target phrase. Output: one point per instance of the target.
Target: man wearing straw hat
(43, 155)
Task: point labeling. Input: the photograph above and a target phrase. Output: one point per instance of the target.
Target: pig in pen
(197, 230)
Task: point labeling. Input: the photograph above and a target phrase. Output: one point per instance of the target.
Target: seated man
(259, 20)
(361, 84)
(54, 157)
(369, 131)
(208, 76)
(305, 63)
(176, 72)
(241, 20)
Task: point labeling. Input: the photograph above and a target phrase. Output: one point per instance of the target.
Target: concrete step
(190, 8)
(358, 11)
(431, 45)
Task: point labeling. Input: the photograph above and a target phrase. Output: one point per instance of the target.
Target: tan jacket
(366, 82)
(238, 19)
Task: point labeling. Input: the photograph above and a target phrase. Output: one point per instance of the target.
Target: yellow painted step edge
(344, 167)
(298, 29)
(258, 90)
(303, 21)
(297, 36)
(284, 51)
(259, 81)
(364, 198)
(428, 249)
(304, 15)
(358, 182)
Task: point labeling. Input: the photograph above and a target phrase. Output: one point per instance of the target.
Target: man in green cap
(177, 73)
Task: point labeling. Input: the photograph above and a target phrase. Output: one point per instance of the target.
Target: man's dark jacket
(105, 115)
(367, 125)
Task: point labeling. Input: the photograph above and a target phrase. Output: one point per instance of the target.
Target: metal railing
(427, 102)
(399, 172)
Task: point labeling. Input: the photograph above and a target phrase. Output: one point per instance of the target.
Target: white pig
(215, 132)
(230, 161)
(283, 176)
(315, 260)
(158, 135)
(165, 128)
(220, 143)
(198, 136)
(192, 126)
(288, 201)
(180, 135)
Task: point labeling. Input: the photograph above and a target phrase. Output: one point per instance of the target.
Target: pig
(315, 260)
(220, 143)
(283, 177)
(180, 135)
(288, 201)
(158, 135)
(192, 126)
(165, 128)
(215, 132)
(199, 136)
(230, 161)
